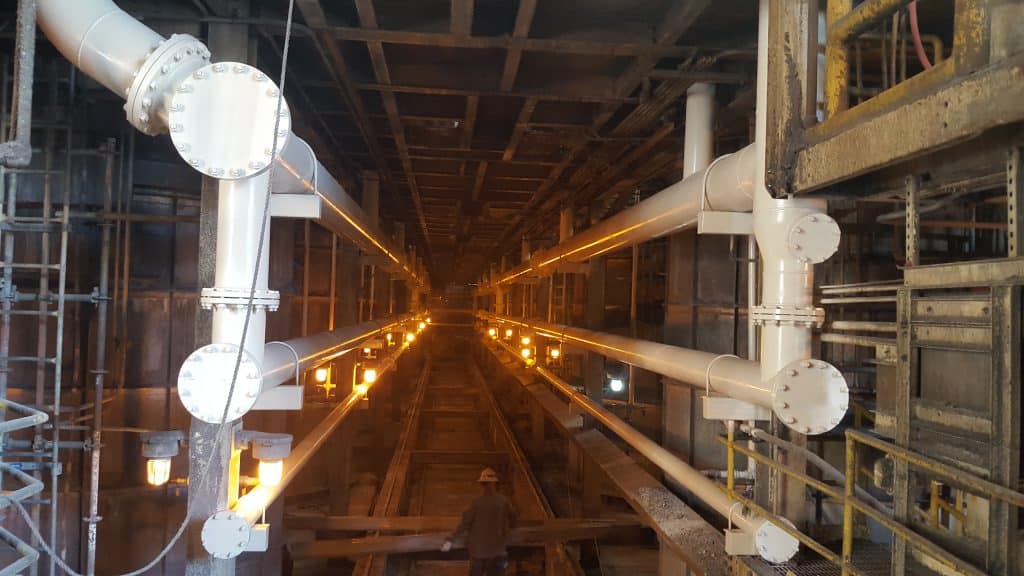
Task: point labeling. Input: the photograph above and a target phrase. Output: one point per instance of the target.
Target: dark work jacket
(486, 524)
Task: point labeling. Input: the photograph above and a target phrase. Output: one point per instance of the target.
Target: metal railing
(853, 504)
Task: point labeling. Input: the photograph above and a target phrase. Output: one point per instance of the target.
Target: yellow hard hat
(488, 476)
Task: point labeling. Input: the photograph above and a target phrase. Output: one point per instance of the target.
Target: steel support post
(1015, 202)
(913, 222)
(907, 369)
(1005, 401)
(230, 42)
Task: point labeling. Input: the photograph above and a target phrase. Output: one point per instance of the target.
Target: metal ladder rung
(31, 359)
(27, 266)
(34, 219)
(31, 227)
(51, 314)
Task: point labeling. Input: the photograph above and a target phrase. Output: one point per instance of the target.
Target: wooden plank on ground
(535, 535)
(314, 521)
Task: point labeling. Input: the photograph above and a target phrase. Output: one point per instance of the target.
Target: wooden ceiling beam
(561, 95)
(525, 113)
(461, 18)
(368, 20)
(313, 13)
(516, 43)
(514, 54)
(469, 123)
(680, 18)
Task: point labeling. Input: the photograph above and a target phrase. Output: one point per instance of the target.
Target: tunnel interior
(661, 287)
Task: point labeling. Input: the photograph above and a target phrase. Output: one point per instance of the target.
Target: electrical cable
(224, 423)
(915, 31)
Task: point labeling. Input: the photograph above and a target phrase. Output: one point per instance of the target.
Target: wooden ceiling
(484, 117)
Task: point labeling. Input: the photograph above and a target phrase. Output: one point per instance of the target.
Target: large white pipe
(301, 173)
(281, 361)
(793, 235)
(774, 544)
(138, 64)
(99, 38)
(728, 184)
(724, 374)
(699, 130)
(239, 219)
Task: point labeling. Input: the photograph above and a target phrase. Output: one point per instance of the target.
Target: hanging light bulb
(525, 340)
(410, 337)
(270, 472)
(158, 471)
(362, 389)
(422, 325)
(370, 375)
(321, 374)
(525, 352)
(616, 384)
(554, 352)
(492, 332)
(389, 337)
(508, 333)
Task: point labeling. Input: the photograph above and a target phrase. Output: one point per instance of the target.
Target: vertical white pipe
(698, 132)
(239, 217)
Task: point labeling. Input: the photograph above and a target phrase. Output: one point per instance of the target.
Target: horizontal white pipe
(728, 183)
(773, 543)
(809, 398)
(729, 376)
(279, 359)
(99, 38)
(252, 506)
(301, 173)
(111, 46)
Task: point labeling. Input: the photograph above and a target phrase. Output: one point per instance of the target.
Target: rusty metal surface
(951, 114)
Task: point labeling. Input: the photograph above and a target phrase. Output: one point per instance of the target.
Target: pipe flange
(239, 298)
(774, 544)
(794, 315)
(813, 238)
(155, 81)
(225, 535)
(810, 396)
(222, 120)
(205, 380)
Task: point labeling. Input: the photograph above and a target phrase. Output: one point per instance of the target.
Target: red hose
(918, 46)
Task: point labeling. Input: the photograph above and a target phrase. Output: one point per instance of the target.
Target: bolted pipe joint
(810, 396)
(155, 82)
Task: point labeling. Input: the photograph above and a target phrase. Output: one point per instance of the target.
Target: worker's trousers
(488, 566)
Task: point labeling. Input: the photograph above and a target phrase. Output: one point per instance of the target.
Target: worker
(486, 523)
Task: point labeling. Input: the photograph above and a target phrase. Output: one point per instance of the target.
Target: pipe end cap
(225, 535)
(810, 396)
(205, 380)
(774, 544)
(813, 238)
(223, 118)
